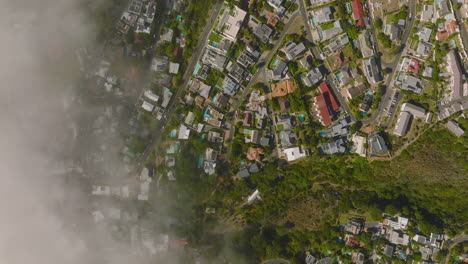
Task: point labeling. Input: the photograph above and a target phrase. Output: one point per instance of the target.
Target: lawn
(327, 25)
(215, 37)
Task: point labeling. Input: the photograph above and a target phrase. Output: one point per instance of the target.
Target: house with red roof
(414, 66)
(358, 12)
(451, 27)
(441, 35)
(326, 104)
(322, 110)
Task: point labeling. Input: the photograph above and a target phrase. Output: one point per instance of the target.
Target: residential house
(443, 9)
(238, 74)
(215, 137)
(329, 32)
(280, 71)
(428, 70)
(340, 129)
(293, 154)
(423, 49)
(313, 76)
(209, 167)
(309, 258)
(159, 64)
(264, 141)
(150, 95)
(287, 138)
(326, 104)
(353, 91)
(169, 161)
(147, 106)
(339, 60)
(426, 253)
(377, 145)
(220, 100)
(337, 146)
(394, 31)
(456, 73)
(416, 111)
(167, 35)
(201, 88)
(306, 60)
(358, 12)
(327, 260)
(425, 34)
(346, 75)
(167, 95)
(371, 70)
(366, 103)
(353, 226)
(255, 136)
(334, 45)
(248, 57)
(397, 237)
(276, 4)
(411, 83)
(189, 119)
(173, 67)
(365, 44)
(402, 124)
(322, 15)
(388, 250)
(397, 223)
(359, 145)
(231, 21)
(414, 66)
(214, 59)
(184, 132)
(292, 50)
(358, 257)
(427, 13)
(351, 241)
(230, 87)
(288, 122)
(455, 128)
(263, 32)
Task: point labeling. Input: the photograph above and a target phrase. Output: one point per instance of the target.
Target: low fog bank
(46, 212)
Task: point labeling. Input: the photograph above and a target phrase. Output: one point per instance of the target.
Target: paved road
(452, 242)
(389, 84)
(156, 140)
(248, 88)
(463, 29)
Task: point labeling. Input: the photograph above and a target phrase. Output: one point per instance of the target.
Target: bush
(378, 23)
(384, 40)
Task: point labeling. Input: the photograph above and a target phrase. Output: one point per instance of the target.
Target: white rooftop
(293, 154)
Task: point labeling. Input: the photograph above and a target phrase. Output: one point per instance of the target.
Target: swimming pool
(173, 133)
(275, 62)
(195, 72)
(301, 118)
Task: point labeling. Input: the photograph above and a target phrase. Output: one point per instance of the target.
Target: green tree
(378, 23)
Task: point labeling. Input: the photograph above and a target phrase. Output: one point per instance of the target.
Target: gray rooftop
(411, 83)
(377, 144)
(312, 77)
(401, 126)
(455, 128)
(337, 146)
(292, 49)
(263, 32)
